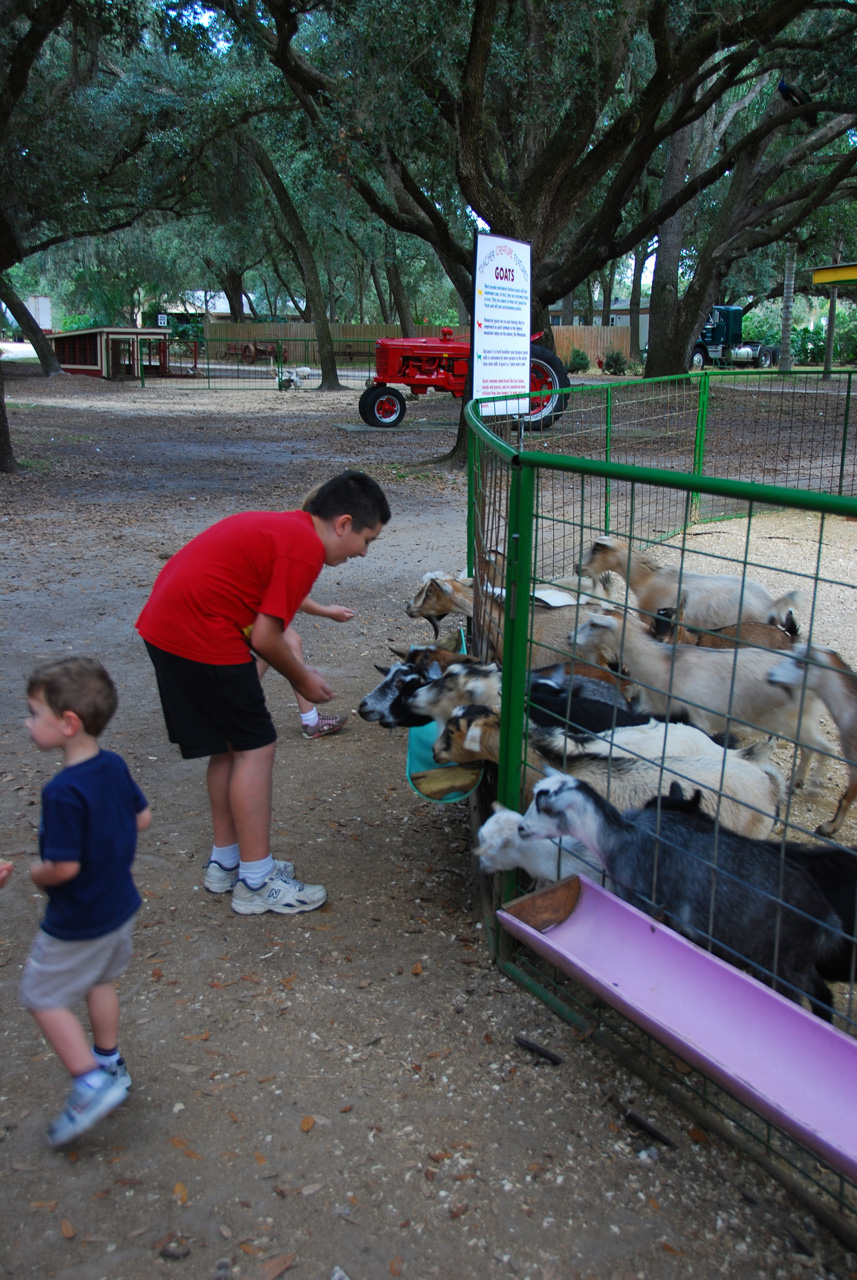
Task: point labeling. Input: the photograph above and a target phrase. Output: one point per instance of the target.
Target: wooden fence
(594, 340)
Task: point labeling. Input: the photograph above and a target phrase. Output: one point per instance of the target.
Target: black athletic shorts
(209, 709)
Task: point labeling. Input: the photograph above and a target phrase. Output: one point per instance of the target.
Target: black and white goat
(755, 909)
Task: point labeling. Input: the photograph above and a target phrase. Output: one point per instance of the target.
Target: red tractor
(442, 363)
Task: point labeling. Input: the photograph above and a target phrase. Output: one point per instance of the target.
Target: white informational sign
(501, 322)
(163, 320)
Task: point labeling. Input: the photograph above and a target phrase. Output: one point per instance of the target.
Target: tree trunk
(253, 312)
(232, 282)
(788, 309)
(381, 291)
(306, 261)
(30, 328)
(663, 305)
(400, 300)
(567, 314)
(8, 465)
(608, 279)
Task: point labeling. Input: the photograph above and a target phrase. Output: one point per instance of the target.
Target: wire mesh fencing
(643, 607)
(247, 364)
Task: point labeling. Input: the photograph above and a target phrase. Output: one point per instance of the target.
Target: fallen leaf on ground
(180, 1192)
(67, 1229)
(271, 1268)
(307, 1123)
(417, 969)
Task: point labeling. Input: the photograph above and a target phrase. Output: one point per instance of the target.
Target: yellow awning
(836, 274)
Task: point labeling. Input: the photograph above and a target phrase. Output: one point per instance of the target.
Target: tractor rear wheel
(248, 353)
(548, 376)
(382, 406)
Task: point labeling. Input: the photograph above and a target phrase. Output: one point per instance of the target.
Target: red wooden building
(112, 352)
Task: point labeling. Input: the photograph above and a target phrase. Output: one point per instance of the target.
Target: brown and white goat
(711, 600)
(669, 625)
(720, 690)
(824, 674)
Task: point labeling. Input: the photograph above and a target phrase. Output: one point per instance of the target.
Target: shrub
(578, 361)
(615, 362)
(808, 346)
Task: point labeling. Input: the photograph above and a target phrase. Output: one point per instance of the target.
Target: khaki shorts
(58, 973)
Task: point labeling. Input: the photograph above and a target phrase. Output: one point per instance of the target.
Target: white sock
(226, 856)
(310, 718)
(105, 1059)
(255, 874)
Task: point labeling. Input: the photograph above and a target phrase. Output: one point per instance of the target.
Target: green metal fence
(752, 475)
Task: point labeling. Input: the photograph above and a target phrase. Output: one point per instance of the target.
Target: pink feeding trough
(783, 1062)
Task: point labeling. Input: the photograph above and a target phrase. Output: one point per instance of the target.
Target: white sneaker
(220, 879)
(280, 893)
(84, 1107)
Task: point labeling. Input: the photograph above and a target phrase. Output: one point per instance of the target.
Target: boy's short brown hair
(81, 685)
(351, 493)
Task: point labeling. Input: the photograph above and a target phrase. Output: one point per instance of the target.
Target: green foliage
(578, 361)
(808, 346)
(73, 321)
(615, 362)
(762, 325)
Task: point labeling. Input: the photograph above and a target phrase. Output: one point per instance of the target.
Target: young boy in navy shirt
(91, 813)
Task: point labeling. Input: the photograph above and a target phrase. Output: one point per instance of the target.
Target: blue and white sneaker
(119, 1072)
(84, 1107)
(220, 879)
(280, 893)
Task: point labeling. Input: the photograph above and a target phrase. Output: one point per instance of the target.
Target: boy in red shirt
(250, 570)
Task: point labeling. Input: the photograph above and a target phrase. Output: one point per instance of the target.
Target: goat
(648, 740)
(751, 792)
(388, 701)
(500, 848)
(756, 909)
(834, 871)
(431, 660)
(823, 674)
(440, 594)
(668, 625)
(460, 683)
(713, 686)
(711, 600)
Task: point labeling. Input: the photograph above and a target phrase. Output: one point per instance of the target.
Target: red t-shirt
(207, 593)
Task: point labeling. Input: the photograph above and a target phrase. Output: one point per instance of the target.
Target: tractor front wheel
(548, 376)
(382, 406)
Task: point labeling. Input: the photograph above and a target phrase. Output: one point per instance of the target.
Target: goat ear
(473, 738)
(385, 671)
(499, 808)
(400, 653)
(434, 671)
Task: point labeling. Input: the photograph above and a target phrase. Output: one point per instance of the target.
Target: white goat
(824, 674)
(709, 600)
(650, 741)
(500, 848)
(752, 790)
(720, 689)
(440, 594)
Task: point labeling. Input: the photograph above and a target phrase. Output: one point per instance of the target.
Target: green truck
(721, 343)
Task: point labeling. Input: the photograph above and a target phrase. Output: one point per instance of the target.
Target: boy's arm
(336, 612)
(267, 640)
(46, 875)
(6, 869)
(144, 818)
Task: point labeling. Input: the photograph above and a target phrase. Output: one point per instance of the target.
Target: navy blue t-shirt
(89, 815)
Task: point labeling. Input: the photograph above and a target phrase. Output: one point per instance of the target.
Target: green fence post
(845, 430)
(516, 629)
(699, 440)
(608, 441)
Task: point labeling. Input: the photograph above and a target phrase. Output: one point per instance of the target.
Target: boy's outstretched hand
(6, 869)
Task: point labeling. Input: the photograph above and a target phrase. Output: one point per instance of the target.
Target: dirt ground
(336, 1094)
